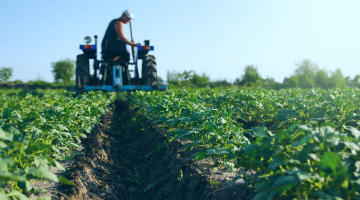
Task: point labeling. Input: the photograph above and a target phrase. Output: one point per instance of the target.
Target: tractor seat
(115, 48)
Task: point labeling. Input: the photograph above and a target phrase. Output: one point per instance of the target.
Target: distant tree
(305, 81)
(251, 75)
(306, 67)
(291, 82)
(347, 80)
(356, 79)
(199, 80)
(336, 79)
(322, 79)
(63, 70)
(5, 74)
(187, 78)
(173, 77)
(160, 80)
(237, 81)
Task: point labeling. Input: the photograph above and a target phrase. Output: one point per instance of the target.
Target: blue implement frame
(117, 85)
(125, 88)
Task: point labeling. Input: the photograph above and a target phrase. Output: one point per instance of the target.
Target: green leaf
(260, 196)
(280, 133)
(308, 176)
(10, 176)
(33, 116)
(260, 131)
(61, 127)
(36, 133)
(330, 160)
(263, 187)
(41, 162)
(87, 129)
(304, 140)
(201, 155)
(5, 162)
(44, 198)
(65, 181)
(56, 164)
(5, 135)
(185, 112)
(221, 151)
(24, 185)
(7, 113)
(2, 145)
(94, 111)
(17, 195)
(3, 196)
(42, 146)
(324, 124)
(41, 172)
(230, 166)
(223, 121)
(271, 195)
(41, 190)
(322, 195)
(251, 149)
(352, 145)
(284, 183)
(66, 134)
(294, 125)
(319, 114)
(355, 132)
(67, 111)
(358, 197)
(357, 165)
(15, 132)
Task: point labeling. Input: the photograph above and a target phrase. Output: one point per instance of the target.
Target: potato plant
(37, 129)
(303, 144)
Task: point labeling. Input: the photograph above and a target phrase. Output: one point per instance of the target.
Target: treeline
(306, 75)
(63, 71)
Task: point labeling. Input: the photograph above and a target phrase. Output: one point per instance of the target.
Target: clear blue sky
(216, 37)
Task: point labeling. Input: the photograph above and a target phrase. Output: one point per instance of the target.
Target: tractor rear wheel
(149, 72)
(82, 70)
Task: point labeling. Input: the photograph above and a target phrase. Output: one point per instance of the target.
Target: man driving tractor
(115, 30)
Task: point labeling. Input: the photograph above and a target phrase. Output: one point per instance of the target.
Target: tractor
(114, 68)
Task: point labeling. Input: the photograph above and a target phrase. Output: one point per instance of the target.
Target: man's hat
(129, 14)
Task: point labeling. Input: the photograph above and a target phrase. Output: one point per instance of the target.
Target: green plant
(135, 179)
(180, 179)
(286, 136)
(215, 183)
(38, 128)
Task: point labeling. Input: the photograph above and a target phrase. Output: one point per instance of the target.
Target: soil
(123, 160)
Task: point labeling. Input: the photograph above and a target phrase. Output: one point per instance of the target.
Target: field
(180, 144)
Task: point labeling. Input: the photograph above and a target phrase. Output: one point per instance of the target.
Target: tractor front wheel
(82, 70)
(149, 72)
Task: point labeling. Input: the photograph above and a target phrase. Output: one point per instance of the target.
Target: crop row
(301, 143)
(37, 129)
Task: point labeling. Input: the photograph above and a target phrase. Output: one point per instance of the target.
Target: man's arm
(119, 28)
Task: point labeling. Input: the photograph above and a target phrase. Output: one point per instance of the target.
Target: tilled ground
(120, 162)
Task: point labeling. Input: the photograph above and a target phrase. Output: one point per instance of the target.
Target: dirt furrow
(121, 162)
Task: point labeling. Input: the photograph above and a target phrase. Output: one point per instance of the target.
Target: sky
(218, 38)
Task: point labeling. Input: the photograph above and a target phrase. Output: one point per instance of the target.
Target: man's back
(110, 33)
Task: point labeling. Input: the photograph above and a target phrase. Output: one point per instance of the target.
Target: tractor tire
(149, 72)
(82, 70)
